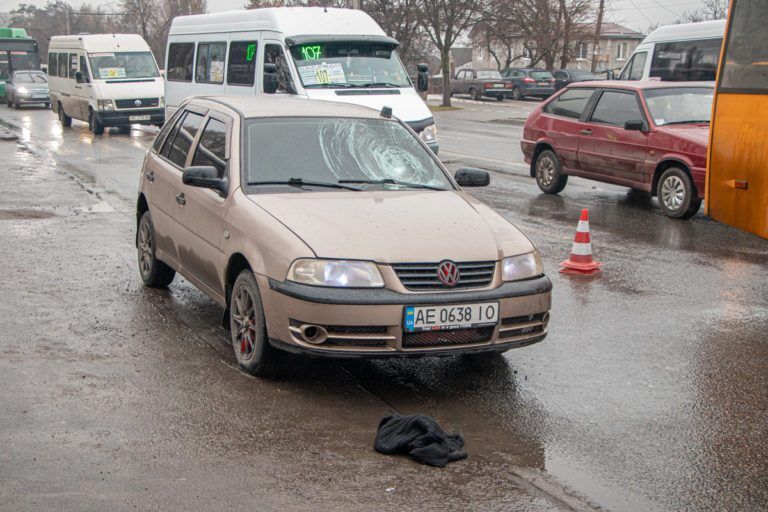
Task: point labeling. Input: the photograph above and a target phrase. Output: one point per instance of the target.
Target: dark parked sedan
(564, 77)
(535, 82)
(480, 82)
(26, 87)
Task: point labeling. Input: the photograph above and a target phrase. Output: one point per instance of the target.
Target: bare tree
(444, 21)
(257, 4)
(712, 10)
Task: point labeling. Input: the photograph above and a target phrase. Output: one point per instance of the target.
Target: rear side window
(616, 108)
(569, 104)
(212, 147)
(180, 58)
(686, 60)
(241, 68)
(63, 65)
(53, 65)
(209, 67)
(178, 144)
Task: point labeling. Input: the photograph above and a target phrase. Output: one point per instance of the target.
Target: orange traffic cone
(581, 262)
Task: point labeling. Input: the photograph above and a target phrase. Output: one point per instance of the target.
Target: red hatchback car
(650, 136)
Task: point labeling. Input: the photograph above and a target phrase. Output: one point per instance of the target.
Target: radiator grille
(447, 337)
(131, 103)
(423, 276)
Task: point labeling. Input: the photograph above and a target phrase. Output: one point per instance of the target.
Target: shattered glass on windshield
(339, 150)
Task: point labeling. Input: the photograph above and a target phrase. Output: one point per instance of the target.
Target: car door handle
(150, 176)
(585, 132)
(181, 199)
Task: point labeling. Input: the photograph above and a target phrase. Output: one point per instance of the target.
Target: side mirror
(204, 176)
(634, 125)
(422, 79)
(472, 178)
(270, 78)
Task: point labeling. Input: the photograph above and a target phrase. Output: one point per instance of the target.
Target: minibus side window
(52, 64)
(209, 67)
(180, 57)
(63, 65)
(241, 68)
(686, 60)
(72, 65)
(273, 54)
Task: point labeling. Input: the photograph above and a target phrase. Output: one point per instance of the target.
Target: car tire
(475, 94)
(8, 101)
(516, 95)
(64, 119)
(16, 104)
(47, 105)
(154, 272)
(95, 125)
(677, 194)
(548, 173)
(499, 98)
(248, 327)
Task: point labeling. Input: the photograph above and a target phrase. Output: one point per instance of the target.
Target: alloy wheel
(673, 192)
(545, 169)
(145, 249)
(244, 317)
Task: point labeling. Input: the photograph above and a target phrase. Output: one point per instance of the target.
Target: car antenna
(386, 112)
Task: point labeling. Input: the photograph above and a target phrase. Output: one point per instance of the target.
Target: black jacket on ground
(421, 437)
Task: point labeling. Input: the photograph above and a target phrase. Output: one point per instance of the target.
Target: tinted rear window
(541, 75)
(569, 104)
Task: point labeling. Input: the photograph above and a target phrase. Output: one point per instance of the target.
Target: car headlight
(336, 273)
(524, 266)
(106, 105)
(22, 90)
(429, 133)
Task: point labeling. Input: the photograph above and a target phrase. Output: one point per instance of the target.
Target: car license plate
(40, 96)
(139, 118)
(498, 85)
(456, 316)
(543, 83)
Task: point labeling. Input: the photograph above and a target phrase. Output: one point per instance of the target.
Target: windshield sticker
(311, 52)
(325, 73)
(112, 72)
(217, 71)
(101, 54)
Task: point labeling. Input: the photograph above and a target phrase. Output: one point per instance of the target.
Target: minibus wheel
(96, 127)
(64, 119)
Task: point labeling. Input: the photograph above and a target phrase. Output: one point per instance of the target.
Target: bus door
(737, 176)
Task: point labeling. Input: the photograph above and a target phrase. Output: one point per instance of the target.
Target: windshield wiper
(380, 84)
(693, 121)
(331, 85)
(390, 181)
(299, 182)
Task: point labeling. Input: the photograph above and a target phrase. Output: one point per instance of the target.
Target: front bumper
(32, 98)
(368, 323)
(122, 117)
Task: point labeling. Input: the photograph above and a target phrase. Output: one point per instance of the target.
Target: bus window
(52, 64)
(745, 67)
(686, 60)
(63, 65)
(180, 57)
(634, 70)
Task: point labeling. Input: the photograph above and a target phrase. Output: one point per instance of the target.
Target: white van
(320, 53)
(105, 80)
(678, 53)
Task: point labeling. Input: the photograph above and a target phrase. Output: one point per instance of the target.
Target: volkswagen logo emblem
(448, 273)
(137, 103)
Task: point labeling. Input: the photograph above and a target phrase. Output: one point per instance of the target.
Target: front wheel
(154, 272)
(475, 94)
(96, 127)
(677, 195)
(64, 119)
(549, 177)
(248, 328)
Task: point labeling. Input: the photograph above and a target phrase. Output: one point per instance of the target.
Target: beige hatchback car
(332, 230)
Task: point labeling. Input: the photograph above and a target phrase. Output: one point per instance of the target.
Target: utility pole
(67, 20)
(598, 28)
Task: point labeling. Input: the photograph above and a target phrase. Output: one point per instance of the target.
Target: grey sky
(635, 14)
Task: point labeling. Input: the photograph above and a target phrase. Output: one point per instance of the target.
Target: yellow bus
(737, 171)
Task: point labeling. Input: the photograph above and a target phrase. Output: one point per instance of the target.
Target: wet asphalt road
(650, 393)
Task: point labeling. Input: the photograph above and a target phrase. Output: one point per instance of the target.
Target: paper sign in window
(325, 73)
(112, 72)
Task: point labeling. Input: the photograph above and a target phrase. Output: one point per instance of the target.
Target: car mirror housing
(204, 176)
(634, 125)
(472, 178)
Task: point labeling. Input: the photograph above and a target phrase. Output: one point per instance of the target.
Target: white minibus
(677, 53)
(106, 80)
(320, 53)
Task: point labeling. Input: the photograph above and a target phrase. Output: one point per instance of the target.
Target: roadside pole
(598, 28)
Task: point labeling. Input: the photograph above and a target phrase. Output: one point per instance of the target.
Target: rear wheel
(47, 105)
(499, 98)
(154, 272)
(64, 119)
(548, 174)
(516, 95)
(677, 195)
(96, 127)
(475, 94)
(248, 328)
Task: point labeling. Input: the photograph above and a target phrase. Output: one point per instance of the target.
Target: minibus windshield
(339, 65)
(116, 65)
(342, 153)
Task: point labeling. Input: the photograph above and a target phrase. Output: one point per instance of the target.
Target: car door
(606, 148)
(563, 121)
(83, 90)
(458, 84)
(200, 216)
(163, 179)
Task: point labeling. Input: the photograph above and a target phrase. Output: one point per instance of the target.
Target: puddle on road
(25, 214)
